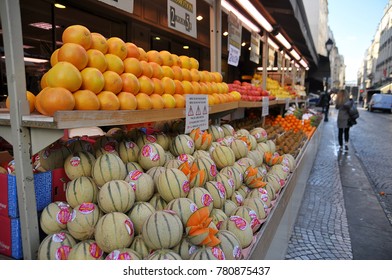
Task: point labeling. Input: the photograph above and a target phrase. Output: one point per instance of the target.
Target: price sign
(234, 56)
(287, 105)
(196, 112)
(265, 107)
(182, 16)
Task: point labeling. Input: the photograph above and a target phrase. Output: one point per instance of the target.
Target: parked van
(380, 102)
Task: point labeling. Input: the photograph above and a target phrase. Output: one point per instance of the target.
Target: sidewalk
(340, 217)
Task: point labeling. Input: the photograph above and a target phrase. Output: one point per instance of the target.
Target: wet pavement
(341, 216)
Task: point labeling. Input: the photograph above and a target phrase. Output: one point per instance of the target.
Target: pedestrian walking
(343, 104)
(326, 99)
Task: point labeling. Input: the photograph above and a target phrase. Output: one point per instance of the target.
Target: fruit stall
(101, 162)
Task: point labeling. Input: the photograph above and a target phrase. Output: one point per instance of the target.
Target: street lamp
(329, 45)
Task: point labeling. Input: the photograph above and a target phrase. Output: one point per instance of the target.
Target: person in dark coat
(326, 99)
(343, 104)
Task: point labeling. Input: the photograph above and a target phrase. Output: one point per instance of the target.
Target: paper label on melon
(151, 138)
(117, 255)
(255, 222)
(64, 216)
(239, 199)
(95, 251)
(86, 208)
(213, 170)
(218, 224)
(186, 186)
(133, 186)
(282, 182)
(109, 147)
(218, 253)
(193, 207)
(231, 183)
(221, 189)
(135, 174)
(237, 252)
(189, 144)
(58, 237)
(74, 161)
(62, 252)
(206, 199)
(183, 157)
(130, 144)
(239, 222)
(192, 249)
(129, 226)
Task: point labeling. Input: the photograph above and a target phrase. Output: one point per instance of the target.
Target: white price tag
(265, 106)
(197, 111)
(234, 56)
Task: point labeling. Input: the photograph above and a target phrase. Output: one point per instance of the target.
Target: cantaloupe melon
(55, 216)
(144, 139)
(244, 190)
(237, 198)
(228, 129)
(216, 131)
(140, 246)
(86, 250)
(249, 215)
(227, 182)
(229, 206)
(154, 172)
(151, 155)
(208, 253)
(230, 245)
(260, 134)
(235, 174)
(139, 213)
(184, 207)
(163, 139)
(56, 246)
(123, 254)
(256, 156)
(53, 156)
(158, 202)
(110, 147)
(223, 156)
(240, 148)
(163, 254)
(200, 153)
(142, 184)
(108, 167)
(116, 196)
(218, 193)
(133, 165)
(162, 230)
(208, 165)
(128, 151)
(257, 205)
(81, 189)
(182, 144)
(83, 221)
(173, 183)
(173, 163)
(79, 164)
(114, 231)
(241, 229)
(201, 197)
(185, 248)
(79, 145)
(218, 216)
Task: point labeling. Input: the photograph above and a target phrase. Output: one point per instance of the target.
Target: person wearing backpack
(343, 104)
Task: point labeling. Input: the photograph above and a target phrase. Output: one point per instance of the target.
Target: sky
(354, 24)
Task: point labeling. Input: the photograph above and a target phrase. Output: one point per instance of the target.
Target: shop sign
(182, 16)
(125, 5)
(234, 39)
(255, 47)
(197, 112)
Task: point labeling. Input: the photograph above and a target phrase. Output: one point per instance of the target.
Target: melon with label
(184, 207)
(218, 193)
(144, 139)
(237, 198)
(241, 229)
(114, 231)
(249, 215)
(208, 165)
(55, 216)
(260, 134)
(79, 145)
(108, 167)
(79, 164)
(216, 131)
(182, 144)
(228, 130)
(223, 156)
(201, 153)
(162, 230)
(256, 156)
(173, 163)
(123, 254)
(218, 216)
(116, 196)
(229, 207)
(139, 213)
(133, 165)
(235, 174)
(201, 197)
(56, 246)
(259, 201)
(185, 248)
(151, 155)
(128, 151)
(230, 245)
(142, 184)
(164, 140)
(53, 156)
(86, 250)
(163, 254)
(83, 221)
(173, 183)
(240, 148)
(80, 190)
(154, 172)
(208, 253)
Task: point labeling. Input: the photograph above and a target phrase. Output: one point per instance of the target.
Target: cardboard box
(10, 238)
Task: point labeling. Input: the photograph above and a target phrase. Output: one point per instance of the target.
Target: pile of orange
(90, 72)
(290, 122)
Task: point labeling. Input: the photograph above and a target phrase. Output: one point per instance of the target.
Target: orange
(117, 47)
(108, 101)
(114, 63)
(225, 87)
(195, 75)
(113, 82)
(127, 101)
(214, 87)
(99, 42)
(168, 71)
(180, 100)
(185, 62)
(196, 87)
(147, 68)
(176, 60)
(64, 74)
(218, 77)
(97, 60)
(133, 65)
(187, 87)
(194, 63)
(157, 101)
(53, 99)
(203, 88)
(167, 58)
(154, 56)
(130, 83)
(86, 100)
(158, 87)
(77, 34)
(179, 87)
(211, 100)
(168, 100)
(168, 85)
(146, 85)
(177, 72)
(30, 98)
(142, 54)
(74, 54)
(186, 74)
(132, 50)
(157, 71)
(92, 79)
(43, 84)
(54, 57)
(143, 101)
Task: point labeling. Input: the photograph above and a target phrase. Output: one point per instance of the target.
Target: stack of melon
(91, 72)
(134, 194)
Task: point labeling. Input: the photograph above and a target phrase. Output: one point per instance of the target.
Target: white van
(380, 102)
